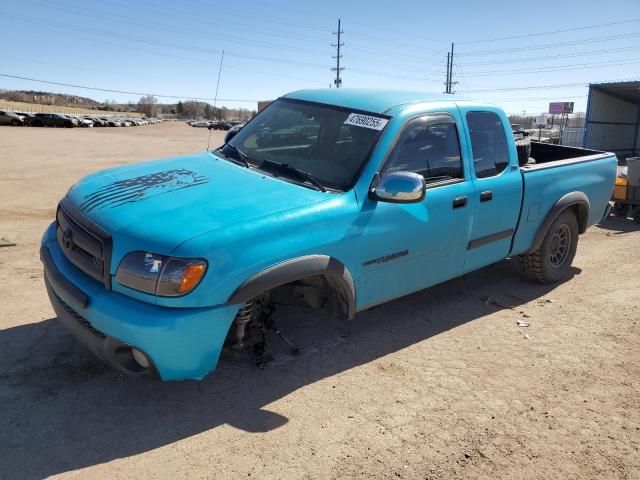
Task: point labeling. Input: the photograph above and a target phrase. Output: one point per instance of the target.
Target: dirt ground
(441, 384)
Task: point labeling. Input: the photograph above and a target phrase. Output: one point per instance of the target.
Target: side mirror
(399, 187)
(230, 134)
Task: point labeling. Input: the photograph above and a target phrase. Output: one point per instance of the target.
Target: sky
(517, 55)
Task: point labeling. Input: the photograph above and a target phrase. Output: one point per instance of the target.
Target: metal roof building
(613, 118)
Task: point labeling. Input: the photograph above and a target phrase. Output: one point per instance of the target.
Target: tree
(179, 108)
(147, 105)
(192, 109)
(208, 112)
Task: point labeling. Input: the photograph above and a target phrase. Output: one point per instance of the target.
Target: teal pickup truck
(335, 199)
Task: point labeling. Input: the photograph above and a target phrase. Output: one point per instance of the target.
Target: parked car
(234, 130)
(97, 122)
(111, 122)
(156, 266)
(83, 122)
(10, 118)
(52, 120)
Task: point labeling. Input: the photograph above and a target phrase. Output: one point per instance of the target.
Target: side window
(488, 143)
(428, 148)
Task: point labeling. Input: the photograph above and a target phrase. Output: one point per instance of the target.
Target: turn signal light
(192, 275)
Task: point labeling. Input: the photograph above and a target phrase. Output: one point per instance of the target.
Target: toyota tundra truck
(334, 199)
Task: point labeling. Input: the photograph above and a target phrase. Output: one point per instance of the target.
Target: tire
(636, 216)
(523, 147)
(15, 123)
(552, 261)
(620, 210)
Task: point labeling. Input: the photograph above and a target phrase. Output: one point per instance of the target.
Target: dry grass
(39, 108)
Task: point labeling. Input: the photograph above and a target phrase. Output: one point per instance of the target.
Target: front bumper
(181, 343)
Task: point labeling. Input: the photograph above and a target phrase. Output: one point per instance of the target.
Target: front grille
(84, 244)
(79, 318)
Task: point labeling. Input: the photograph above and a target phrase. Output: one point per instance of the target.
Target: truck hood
(157, 205)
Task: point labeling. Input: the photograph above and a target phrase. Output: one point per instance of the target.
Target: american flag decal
(141, 188)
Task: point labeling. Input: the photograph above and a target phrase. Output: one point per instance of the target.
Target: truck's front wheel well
(255, 316)
(316, 291)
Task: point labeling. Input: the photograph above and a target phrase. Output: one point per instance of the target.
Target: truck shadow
(62, 410)
(619, 226)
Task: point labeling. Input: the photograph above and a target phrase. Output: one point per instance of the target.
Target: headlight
(160, 275)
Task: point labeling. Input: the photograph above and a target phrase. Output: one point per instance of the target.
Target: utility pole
(451, 83)
(446, 83)
(338, 68)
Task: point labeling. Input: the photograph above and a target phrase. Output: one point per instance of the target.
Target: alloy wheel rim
(559, 250)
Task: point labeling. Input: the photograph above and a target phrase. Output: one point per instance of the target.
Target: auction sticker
(366, 121)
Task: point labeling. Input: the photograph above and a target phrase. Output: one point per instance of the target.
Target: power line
(555, 57)
(113, 36)
(575, 66)
(98, 89)
(538, 87)
(369, 39)
(393, 75)
(155, 26)
(552, 45)
(552, 32)
(170, 29)
(541, 99)
(337, 68)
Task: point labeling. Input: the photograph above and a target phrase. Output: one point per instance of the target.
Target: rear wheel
(551, 262)
(15, 123)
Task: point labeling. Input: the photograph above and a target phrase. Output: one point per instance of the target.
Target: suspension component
(243, 317)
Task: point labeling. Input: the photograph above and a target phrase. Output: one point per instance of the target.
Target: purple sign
(561, 107)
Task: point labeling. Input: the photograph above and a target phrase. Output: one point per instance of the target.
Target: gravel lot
(439, 384)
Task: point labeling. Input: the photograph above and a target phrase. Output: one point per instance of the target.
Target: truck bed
(544, 153)
(560, 170)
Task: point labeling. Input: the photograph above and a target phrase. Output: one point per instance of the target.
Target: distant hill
(48, 98)
(187, 109)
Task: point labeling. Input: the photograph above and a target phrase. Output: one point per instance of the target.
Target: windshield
(329, 144)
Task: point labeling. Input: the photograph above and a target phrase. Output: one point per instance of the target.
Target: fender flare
(572, 199)
(334, 271)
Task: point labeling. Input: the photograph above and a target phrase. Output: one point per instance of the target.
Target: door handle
(460, 202)
(486, 196)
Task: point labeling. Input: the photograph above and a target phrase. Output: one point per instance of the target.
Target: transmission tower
(338, 56)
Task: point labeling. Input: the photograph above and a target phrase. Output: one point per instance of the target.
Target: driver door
(406, 247)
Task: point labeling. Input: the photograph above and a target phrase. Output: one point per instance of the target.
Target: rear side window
(427, 148)
(488, 143)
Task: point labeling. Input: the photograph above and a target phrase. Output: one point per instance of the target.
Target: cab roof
(368, 99)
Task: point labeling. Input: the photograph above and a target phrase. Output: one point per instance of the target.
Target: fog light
(140, 358)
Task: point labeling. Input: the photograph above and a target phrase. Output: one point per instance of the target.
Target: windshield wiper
(291, 169)
(243, 157)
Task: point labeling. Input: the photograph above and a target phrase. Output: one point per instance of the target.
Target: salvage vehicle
(83, 122)
(372, 195)
(111, 122)
(52, 120)
(10, 118)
